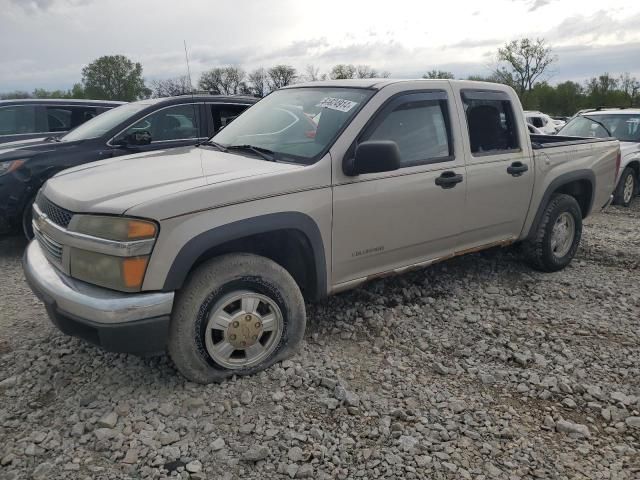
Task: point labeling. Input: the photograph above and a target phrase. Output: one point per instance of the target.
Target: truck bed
(548, 141)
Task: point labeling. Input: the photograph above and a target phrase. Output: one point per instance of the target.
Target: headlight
(123, 273)
(10, 166)
(114, 228)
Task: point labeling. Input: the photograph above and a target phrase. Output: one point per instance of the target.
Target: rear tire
(626, 189)
(236, 315)
(557, 237)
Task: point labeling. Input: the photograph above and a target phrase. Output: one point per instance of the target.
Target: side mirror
(373, 156)
(135, 139)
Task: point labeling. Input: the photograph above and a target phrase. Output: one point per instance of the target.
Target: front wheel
(626, 188)
(557, 237)
(236, 315)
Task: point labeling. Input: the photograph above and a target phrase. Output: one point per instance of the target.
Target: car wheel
(236, 315)
(556, 239)
(27, 217)
(626, 188)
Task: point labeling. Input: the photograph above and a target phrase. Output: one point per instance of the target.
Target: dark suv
(156, 124)
(33, 118)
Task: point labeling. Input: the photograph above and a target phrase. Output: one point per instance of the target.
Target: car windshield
(296, 124)
(623, 126)
(104, 122)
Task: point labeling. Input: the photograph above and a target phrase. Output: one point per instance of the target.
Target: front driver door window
(179, 123)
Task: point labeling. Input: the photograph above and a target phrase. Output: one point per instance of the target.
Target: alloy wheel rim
(628, 189)
(562, 235)
(244, 328)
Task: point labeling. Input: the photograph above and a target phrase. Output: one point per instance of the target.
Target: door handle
(517, 168)
(449, 179)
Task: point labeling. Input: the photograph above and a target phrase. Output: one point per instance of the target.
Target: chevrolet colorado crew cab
(210, 251)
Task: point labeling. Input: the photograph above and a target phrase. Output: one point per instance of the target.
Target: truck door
(500, 172)
(386, 221)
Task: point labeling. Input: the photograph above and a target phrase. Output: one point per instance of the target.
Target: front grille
(56, 214)
(52, 249)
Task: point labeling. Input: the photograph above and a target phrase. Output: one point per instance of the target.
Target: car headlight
(10, 166)
(115, 271)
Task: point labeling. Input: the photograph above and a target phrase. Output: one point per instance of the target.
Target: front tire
(27, 218)
(557, 237)
(236, 315)
(626, 189)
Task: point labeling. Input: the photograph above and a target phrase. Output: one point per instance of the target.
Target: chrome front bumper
(86, 301)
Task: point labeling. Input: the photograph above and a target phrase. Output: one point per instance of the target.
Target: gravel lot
(475, 368)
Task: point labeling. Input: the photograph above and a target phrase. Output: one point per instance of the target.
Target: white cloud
(50, 40)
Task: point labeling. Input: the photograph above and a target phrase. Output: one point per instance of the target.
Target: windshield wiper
(219, 146)
(52, 139)
(265, 153)
(599, 123)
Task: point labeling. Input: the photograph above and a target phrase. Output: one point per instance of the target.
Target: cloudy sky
(45, 43)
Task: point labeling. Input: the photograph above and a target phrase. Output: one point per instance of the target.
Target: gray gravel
(475, 368)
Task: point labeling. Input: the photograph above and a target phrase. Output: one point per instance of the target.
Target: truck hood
(116, 185)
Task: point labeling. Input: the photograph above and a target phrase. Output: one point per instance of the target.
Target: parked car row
(33, 118)
(144, 126)
(210, 249)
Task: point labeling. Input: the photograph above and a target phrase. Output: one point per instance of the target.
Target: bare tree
(343, 71)
(281, 76)
(312, 73)
(630, 86)
(171, 87)
(365, 71)
(439, 74)
(522, 62)
(259, 82)
(223, 80)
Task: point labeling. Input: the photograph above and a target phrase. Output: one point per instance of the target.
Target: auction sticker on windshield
(339, 104)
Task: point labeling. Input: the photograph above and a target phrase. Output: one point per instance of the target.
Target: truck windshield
(625, 127)
(98, 126)
(296, 124)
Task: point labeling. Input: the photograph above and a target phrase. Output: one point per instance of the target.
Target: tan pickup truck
(210, 251)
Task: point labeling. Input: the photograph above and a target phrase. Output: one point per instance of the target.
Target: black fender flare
(557, 183)
(197, 246)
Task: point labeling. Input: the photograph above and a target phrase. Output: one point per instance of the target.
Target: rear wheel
(626, 189)
(557, 237)
(236, 315)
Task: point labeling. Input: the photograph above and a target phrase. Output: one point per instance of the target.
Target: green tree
(114, 77)
(223, 80)
(439, 74)
(521, 63)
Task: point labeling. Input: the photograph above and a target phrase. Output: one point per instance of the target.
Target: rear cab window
(491, 122)
(418, 123)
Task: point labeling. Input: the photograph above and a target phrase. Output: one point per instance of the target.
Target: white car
(541, 121)
(533, 130)
(623, 124)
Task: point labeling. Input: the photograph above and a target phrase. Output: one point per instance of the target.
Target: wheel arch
(291, 239)
(579, 184)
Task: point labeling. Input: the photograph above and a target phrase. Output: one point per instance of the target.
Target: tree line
(523, 64)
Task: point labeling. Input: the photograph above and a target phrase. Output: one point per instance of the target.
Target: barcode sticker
(339, 104)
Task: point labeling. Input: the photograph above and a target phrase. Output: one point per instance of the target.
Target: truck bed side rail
(548, 141)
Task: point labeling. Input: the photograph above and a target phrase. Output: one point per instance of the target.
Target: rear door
(222, 114)
(500, 172)
(391, 220)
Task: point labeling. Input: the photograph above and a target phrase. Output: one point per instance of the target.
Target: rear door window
(223, 114)
(58, 118)
(491, 123)
(19, 119)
